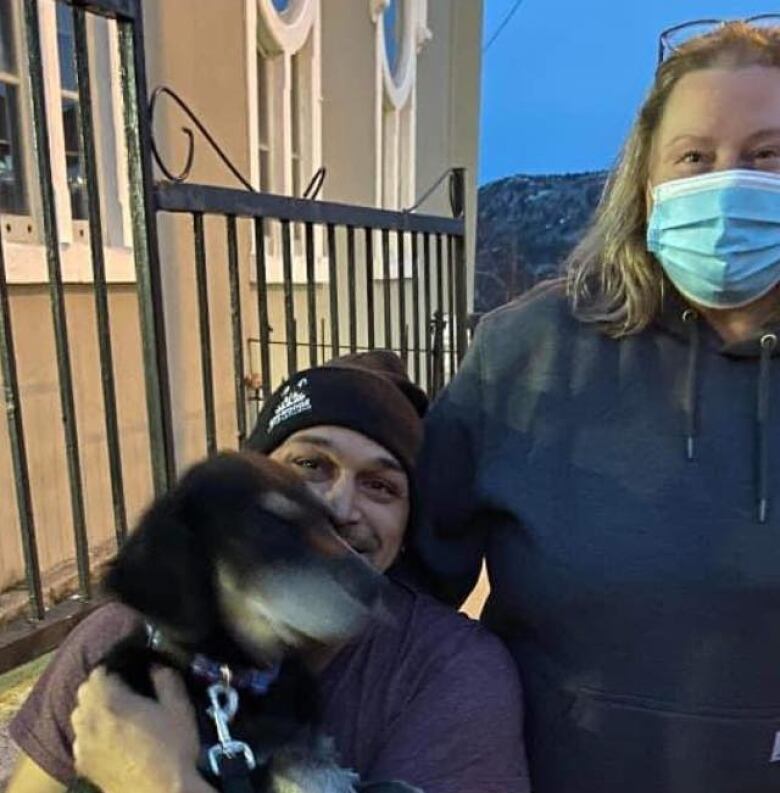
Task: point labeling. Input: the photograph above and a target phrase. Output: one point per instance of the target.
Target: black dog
(239, 572)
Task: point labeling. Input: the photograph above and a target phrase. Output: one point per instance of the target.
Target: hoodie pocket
(604, 743)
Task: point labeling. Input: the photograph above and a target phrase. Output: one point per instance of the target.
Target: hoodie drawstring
(768, 344)
(690, 318)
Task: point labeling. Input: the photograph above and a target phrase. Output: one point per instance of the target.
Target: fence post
(146, 249)
(458, 204)
(57, 293)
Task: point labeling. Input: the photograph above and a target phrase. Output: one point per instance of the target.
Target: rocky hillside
(526, 226)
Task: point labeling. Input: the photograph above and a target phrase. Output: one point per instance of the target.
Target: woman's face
(718, 119)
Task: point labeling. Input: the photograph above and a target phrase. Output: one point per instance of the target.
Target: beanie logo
(294, 402)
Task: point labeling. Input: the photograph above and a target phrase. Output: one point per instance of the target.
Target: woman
(618, 441)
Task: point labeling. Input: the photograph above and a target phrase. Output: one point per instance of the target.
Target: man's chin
(372, 557)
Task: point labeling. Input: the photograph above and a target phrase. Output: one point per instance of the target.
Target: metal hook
(224, 704)
(183, 175)
(315, 185)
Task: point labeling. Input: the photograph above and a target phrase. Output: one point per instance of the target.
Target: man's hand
(126, 742)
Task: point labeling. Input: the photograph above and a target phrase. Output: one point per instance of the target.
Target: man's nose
(341, 498)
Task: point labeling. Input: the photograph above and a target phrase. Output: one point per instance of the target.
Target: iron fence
(394, 279)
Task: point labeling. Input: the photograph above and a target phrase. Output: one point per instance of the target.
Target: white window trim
(23, 227)
(25, 254)
(395, 116)
(279, 38)
(395, 105)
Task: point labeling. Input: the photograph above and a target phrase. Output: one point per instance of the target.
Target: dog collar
(256, 681)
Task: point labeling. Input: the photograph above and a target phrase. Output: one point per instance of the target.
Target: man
(428, 696)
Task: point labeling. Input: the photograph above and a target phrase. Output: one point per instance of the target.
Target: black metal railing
(16, 645)
(441, 268)
(395, 279)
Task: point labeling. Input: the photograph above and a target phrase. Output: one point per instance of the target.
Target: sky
(563, 81)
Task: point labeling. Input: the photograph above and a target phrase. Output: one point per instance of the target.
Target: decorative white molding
(376, 8)
(423, 32)
(286, 31)
(26, 264)
(424, 35)
(398, 85)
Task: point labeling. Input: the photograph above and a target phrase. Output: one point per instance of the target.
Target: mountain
(526, 226)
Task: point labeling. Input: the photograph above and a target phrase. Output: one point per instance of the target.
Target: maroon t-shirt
(432, 699)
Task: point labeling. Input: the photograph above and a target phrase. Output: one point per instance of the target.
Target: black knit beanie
(369, 393)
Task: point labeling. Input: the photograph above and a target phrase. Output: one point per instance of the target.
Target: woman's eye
(766, 154)
(692, 157)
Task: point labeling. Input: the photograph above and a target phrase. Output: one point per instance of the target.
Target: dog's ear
(162, 572)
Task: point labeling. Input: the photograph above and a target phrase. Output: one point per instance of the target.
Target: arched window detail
(288, 83)
(401, 31)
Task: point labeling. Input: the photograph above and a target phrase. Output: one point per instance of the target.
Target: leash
(230, 761)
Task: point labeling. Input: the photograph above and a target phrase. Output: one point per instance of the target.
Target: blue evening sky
(562, 83)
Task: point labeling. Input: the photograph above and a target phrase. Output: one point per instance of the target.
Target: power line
(506, 20)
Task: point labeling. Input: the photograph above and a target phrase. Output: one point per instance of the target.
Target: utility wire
(500, 29)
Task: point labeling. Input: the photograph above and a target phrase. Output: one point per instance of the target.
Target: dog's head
(240, 552)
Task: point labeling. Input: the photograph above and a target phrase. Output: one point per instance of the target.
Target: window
(394, 33)
(19, 178)
(288, 90)
(71, 115)
(13, 198)
(296, 148)
(400, 30)
(287, 119)
(264, 100)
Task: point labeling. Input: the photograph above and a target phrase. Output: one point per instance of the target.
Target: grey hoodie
(614, 489)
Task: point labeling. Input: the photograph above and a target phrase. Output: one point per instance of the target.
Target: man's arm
(41, 728)
(31, 778)
(126, 742)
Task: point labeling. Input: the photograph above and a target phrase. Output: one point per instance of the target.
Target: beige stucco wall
(205, 50)
(448, 101)
(45, 440)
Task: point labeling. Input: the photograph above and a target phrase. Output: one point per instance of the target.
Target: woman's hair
(612, 278)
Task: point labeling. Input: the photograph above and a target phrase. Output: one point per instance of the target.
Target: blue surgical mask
(717, 236)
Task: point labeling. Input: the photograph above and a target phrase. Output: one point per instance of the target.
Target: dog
(239, 572)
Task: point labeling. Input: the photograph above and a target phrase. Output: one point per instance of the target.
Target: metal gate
(394, 279)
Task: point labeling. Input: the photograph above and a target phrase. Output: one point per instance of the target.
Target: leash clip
(224, 704)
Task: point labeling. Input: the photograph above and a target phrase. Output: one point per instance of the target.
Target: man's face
(363, 484)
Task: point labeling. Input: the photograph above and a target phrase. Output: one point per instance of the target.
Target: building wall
(449, 72)
(207, 51)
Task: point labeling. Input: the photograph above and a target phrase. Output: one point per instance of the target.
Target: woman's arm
(449, 541)
(126, 742)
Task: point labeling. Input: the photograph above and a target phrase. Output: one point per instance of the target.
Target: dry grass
(14, 688)
(16, 684)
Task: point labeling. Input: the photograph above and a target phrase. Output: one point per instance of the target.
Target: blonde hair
(612, 279)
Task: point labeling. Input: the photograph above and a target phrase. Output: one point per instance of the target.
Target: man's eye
(381, 487)
(307, 463)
